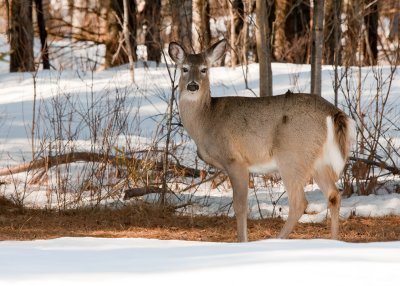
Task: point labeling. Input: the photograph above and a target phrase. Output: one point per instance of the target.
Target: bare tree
(21, 36)
(337, 7)
(280, 42)
(116, 53)
(201, 25)
(353, 22)
(181, 12)
(395, 22)
(150, 23)
(263, 35)
(78, 11)
(371, 16)
(291, 30)
(43, 34)
(246, 39)
(329, 47)
(317, 41)
(127, 36)
(237, 24)
(112, 42)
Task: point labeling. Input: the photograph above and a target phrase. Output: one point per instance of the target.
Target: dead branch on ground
(392, 169)
(51, 161)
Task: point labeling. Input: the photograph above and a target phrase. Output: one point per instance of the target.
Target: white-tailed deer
(301, 136)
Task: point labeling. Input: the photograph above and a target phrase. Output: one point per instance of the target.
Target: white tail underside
(331, 153)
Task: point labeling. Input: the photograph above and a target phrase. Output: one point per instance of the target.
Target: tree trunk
(395, 22)
(132, 27)
(114, 33)
(181, 11)
(237, 23)
(201, 25)
(329, 32)
(43, 34)
(127, 37)
(297, 31)
(8, 13)
(337, 7)
(351, 35)
(152, 20)
(246, 41)
(317, 41)
(21, 36)
(79, 13)
(371, 33)
(116, 54)
(280, 45)
(263, 36)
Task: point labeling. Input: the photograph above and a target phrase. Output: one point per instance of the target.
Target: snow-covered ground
(69, 94)
(95, 261)
(88, 261)
(16, 98)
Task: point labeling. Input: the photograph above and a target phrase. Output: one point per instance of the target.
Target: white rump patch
(331, 152)
(265, 168)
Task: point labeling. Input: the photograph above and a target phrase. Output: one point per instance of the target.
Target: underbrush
(157, 222)
(92, 146)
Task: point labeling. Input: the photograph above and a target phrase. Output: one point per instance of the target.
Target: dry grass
(152, 222)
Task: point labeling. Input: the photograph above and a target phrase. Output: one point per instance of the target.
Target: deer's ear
(176, 52)
(216, 51)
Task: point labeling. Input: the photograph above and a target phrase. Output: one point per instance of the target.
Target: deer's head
(194, 67)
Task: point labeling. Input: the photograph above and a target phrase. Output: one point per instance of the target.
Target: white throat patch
(189, 95)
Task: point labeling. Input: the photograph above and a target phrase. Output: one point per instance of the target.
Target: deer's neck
(194, 113)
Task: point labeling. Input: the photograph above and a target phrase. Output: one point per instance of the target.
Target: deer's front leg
(239, 176)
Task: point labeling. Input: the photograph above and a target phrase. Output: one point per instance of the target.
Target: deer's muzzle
(192, 86)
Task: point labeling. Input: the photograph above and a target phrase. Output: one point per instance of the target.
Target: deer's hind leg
(325, 177)
(294, 184)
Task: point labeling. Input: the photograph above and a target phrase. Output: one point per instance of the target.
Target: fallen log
(392, 169)
(139, 192)
(74, 157)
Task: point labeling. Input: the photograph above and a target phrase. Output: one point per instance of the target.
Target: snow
(99, 261)
(94, 261)
(74, 91)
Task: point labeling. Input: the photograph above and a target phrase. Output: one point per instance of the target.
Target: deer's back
(256, 128)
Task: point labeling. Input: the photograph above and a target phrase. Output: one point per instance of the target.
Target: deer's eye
(185, 70)
(203, 70)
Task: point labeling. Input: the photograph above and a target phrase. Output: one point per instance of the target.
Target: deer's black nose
(192, 86)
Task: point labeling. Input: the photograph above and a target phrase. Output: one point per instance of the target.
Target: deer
(300, 136)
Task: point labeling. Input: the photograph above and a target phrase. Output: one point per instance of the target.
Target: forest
(100, 183)
(360, 32)
(347, 51)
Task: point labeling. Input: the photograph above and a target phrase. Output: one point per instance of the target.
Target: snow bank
(90, 261)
